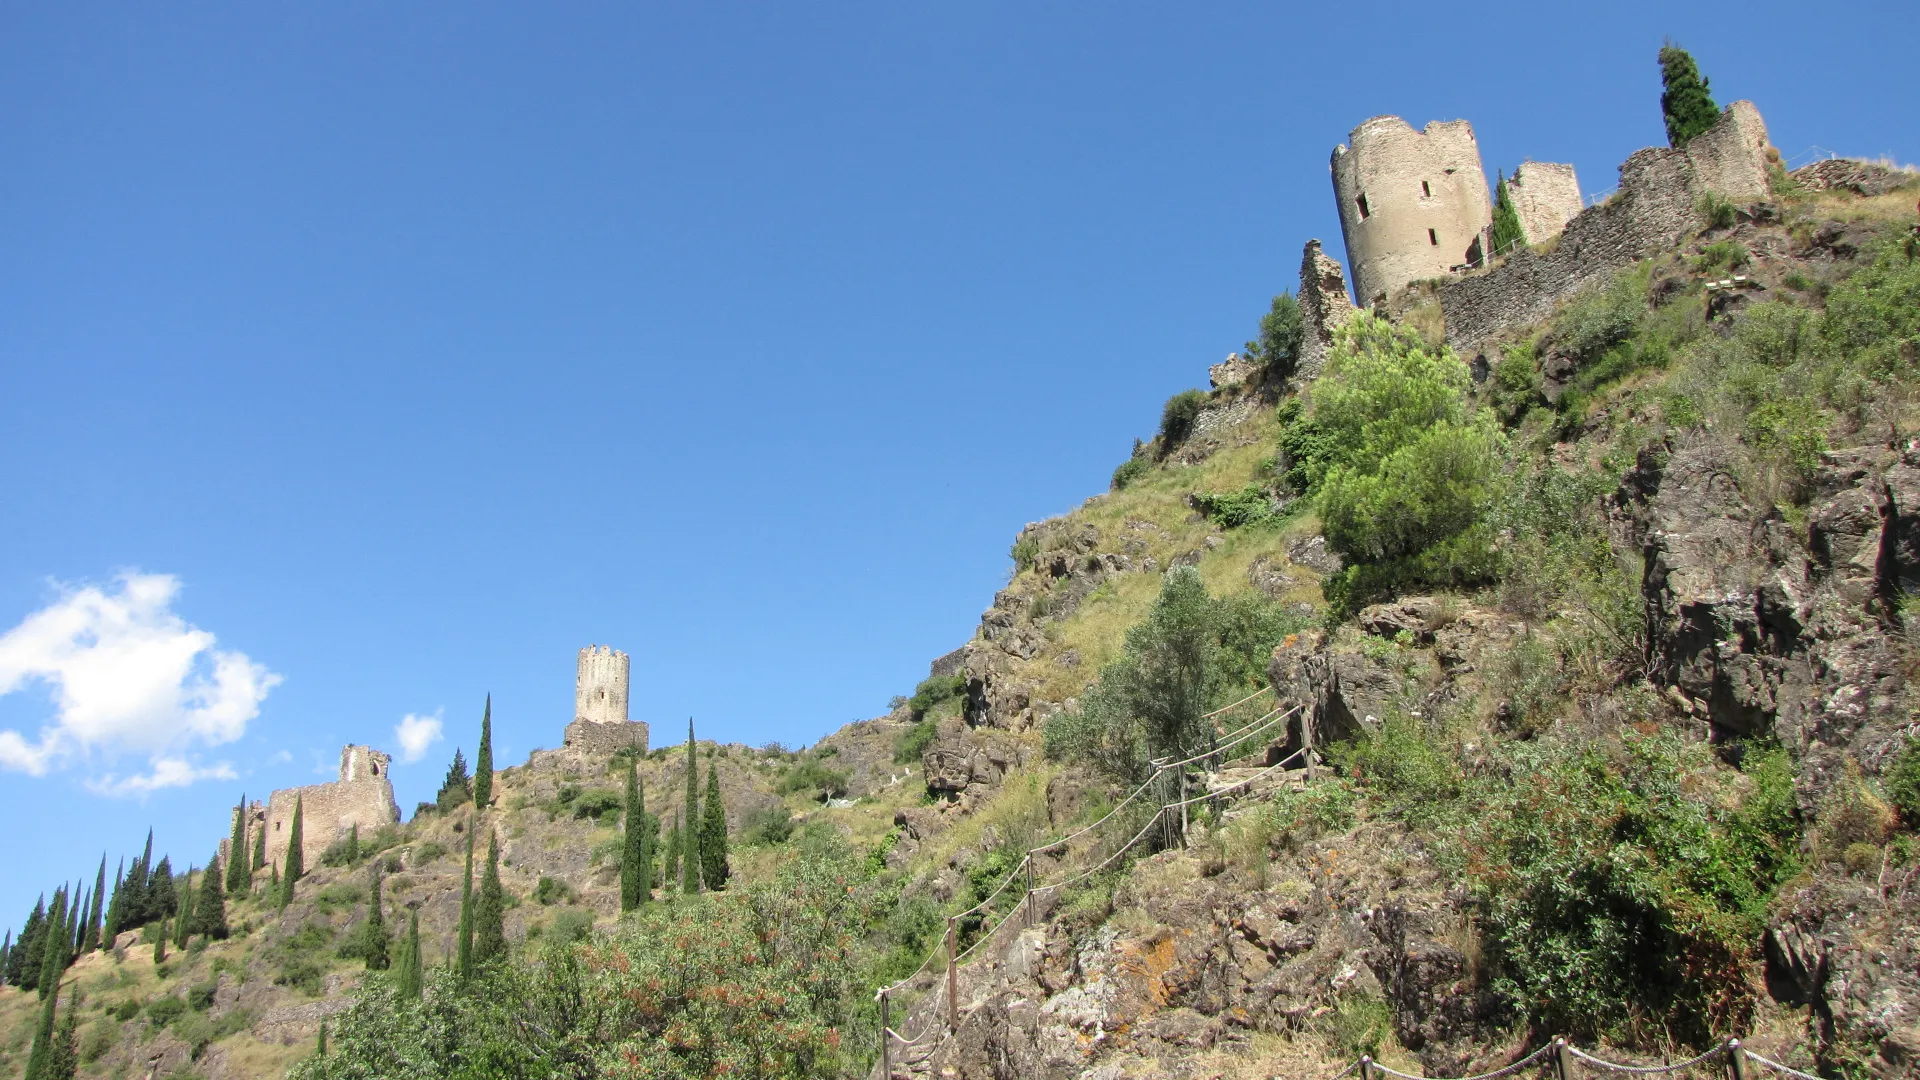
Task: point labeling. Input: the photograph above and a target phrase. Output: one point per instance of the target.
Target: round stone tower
(600, 689)
(1413, 204)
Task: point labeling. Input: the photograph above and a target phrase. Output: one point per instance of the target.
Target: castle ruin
(600, 723)
(362, 796)
(1414, 205)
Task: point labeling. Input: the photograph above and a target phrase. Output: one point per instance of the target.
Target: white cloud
(126, 675)
(415, 734)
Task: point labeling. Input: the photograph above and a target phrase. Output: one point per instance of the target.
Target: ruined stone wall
(599, 738)
(1656, 205)
(362, 796)
(1546, 196)
(1324, 308)
(600, 688)
(1413, 204)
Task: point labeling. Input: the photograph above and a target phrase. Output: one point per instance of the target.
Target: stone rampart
(1656, 205)
(1324, 308)
(599, 738)
(362, 796)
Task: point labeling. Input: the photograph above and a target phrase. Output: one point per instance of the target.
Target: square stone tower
(362, 796)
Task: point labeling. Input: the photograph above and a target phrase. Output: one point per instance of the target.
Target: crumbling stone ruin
(362, 796)
(1324, 308)
(1414, 204)
(600, 723)
(1659, 200)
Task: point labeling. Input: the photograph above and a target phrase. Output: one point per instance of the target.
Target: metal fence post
(1736, 1059)
(953, 982)
(886, 1056)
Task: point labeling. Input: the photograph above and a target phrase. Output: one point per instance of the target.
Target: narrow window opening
(1362, 202)
(276, 826)
(1426, 190)
(1433, 238)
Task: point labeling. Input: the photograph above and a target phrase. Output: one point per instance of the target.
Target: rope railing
(1561, 1055)
(943, 998)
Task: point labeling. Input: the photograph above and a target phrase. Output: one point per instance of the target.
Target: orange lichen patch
(1149, 961)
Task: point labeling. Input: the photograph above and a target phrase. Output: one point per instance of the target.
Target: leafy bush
(1360, 1024)
(200, 996)
(1402, 761)
(1730, 254)
(598, 803)
(1250, 505)
(164, 1011)
(810, 774)
(125, 1011)
(426, 851)
(1177, 418)
(766, 825)
(300, 973)
(549, 891)
(570, 925)
(912, 743)
(936, 691)
(338, 896)
(1902, 783)
(1026, 549)
(1277, 349)
(1716, 210)
(1130, 470)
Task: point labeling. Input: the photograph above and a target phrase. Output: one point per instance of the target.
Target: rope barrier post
(1736, 1060)
(886, 1058)
(1183, 808)
(953, 982)
(1306, 744)
(1028, 862)
(1562, 1061)
(1366, 1067)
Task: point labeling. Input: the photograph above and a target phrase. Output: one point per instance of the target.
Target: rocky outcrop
(1341, 694)
(1859, 177)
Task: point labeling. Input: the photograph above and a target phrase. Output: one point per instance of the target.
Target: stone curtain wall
(1411, 182)
(329, 810)
(1324, 308)
(600, 688)
(1659, 191)
(599, 738)
(1546, 196)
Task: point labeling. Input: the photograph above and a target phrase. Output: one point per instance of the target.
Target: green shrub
(164, 1011)
(766, 825)
(910, 744)
(934, 692)
(300, 973)
(1177, 418)
(1130, 470)
(1403, 761)
(1250, 505)
(570, 925)
(598, 804)
(1716, 210)
(1902, 783)
(812, 775)
(426, 851)
(1360, 1024)
(100, 1038)
(1282, 329)
(1725, 253)
(126, 1010)
(200, 996)
(1026, 549)
(549, 891)
(339, 896)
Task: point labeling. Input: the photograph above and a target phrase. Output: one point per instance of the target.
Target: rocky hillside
(1612, 726)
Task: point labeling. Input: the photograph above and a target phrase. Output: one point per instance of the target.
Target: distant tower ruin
(600, 689)
(1545, 197)
(600, 723)
(1413, 204)
(362, 796)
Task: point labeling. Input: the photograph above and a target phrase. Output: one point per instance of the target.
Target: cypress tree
(40, 1059)
(259, 850)
(489, 915)
(1685, 102)
(182, 925)
(140, 897)
(321, 1049)
(483, 761)
(374, 943)
(296, 859)
(411, 982)
(6, 957)
(77, 936)
(465, 955)
(456, 788)
(94, 940)
(53, 951)
(111, 931)
(670, 871)
(210, 908)
(1507, 233)
(162, 898)
(689, 822)
(23, 965)
(237, 861)
(353, 845)
(634, 885)
(63, 1060)
(713, 833)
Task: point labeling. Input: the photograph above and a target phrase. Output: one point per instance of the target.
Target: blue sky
(357, 361)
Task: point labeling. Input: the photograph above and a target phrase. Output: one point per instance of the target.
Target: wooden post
(1366, 1067)
(1736, 1060)
(1306, 743)
(1183, 806)
(953, 982)
(886, 1040)
(1562, 1061)
(1028, 862)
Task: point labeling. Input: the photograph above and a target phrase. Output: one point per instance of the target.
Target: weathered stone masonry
(600, 724)
(362, 796)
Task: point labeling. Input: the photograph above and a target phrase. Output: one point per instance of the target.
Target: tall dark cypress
(94, 940)
(296, 858)
(260, 849)
(163, 899)
(6, 957)
(489, 915)
(111, 930)
(634, 885)
(23, 965)
(210, 908)
(374, 944)
(1685, 102)
(1507, 233)
(670, 864)
(53, 950)
(464, 958)
(63, 1059)
(410, 974)
(183, 921)
(237, 861)
(483, 761)
(690, 822)
(713, 834)
(77, 936)
(40, 1058)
